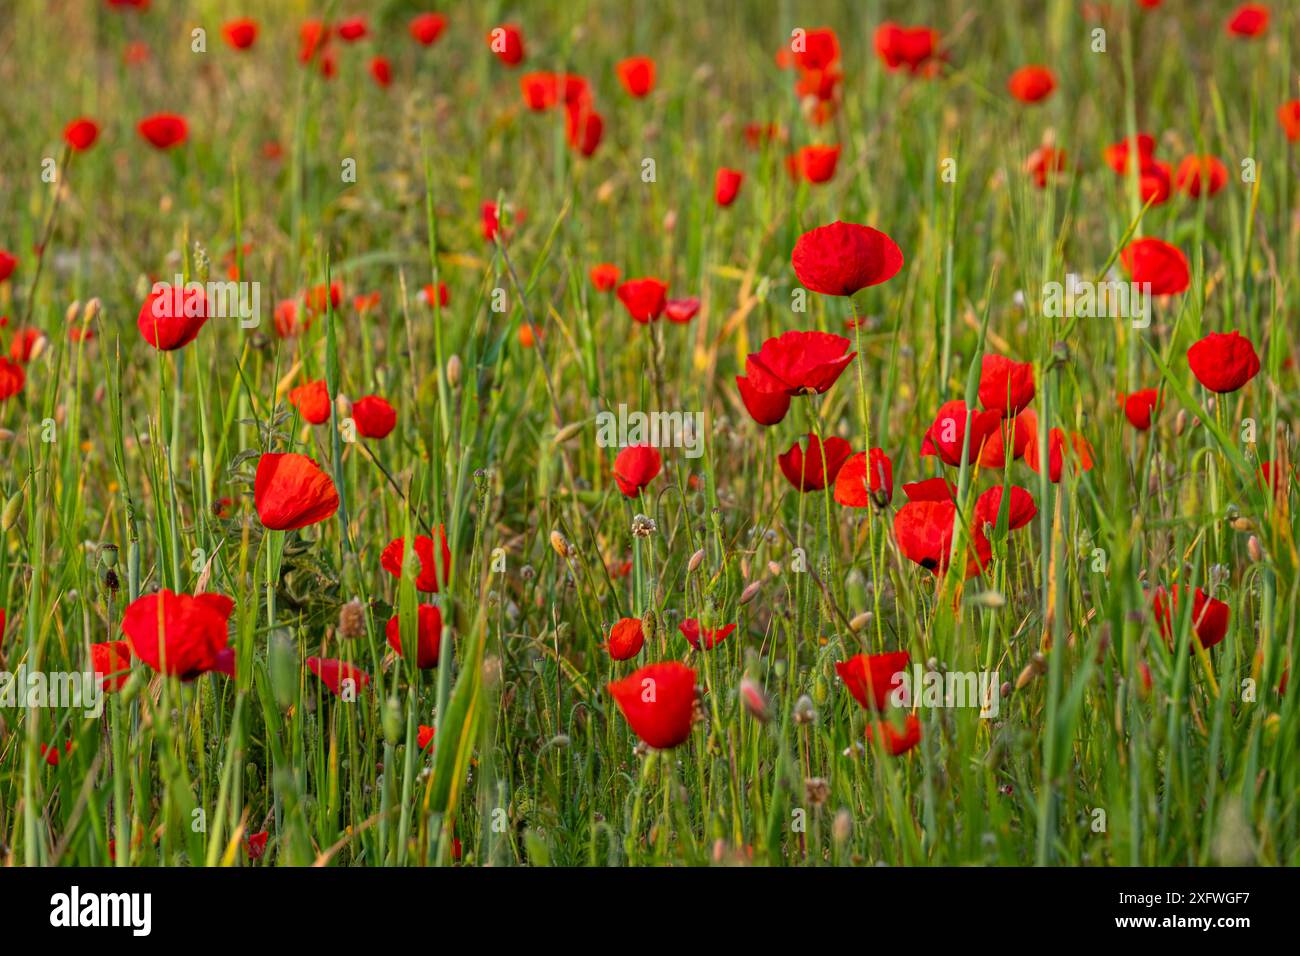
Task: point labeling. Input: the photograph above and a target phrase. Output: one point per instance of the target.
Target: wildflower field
(592, 434)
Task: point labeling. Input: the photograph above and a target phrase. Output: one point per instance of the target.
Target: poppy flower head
(895, 741)
(290, 491)
(255, 845)
(706, 637)
(312, 400)
(798, 363)
(507, 43)
(658, 701)
(1062, 448)
(816, 468)
(924, 532)
(1032, 84)
(427, 27)
(1155, 183)
(1156, 262)
(381, 70)
(178, 634)
(866, 478)
(635, 467)
(644, 298)
(429, 572)
(1209, 619)
(342, 679)
(541, 90)
(1248, 21)
(352, 29)
(604, 276)
(871, 678)
(844, 257)
(8, 263)
(1223, 362)
(428, 636)
(375, 417)
(681, 311)
(726, 185)
(111, 663)
(1138, 407)
(637, 74)
(172, 315)
(1006, 386)
(1020, 509)
(815, 164)
(240, 33)
(442, 295)
(931, 489)
(583, 127)
(1118, 155)
(164, 130)
(81, 134)
(1017, 432)
(766, 408)
(1288, 114)
(1201, 174)
(626, 639)
(910, 48)
(815, 49)
(947, 435)
(1045, 162)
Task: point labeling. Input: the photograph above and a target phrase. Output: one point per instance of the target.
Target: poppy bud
(12, 507)
(73, 312)
(1254, 549)
(561, 544)
(343, 406)
(696, 560)
(568, 431)
(754, 699)
(453, 371)
(861, 621)
(283, 665)
(92, 309)
(750, 592)
(843, 827)
(392, 721)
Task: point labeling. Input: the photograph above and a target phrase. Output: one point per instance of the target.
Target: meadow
(327, 330)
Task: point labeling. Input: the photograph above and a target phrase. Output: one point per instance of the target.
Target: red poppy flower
(111, 663)
(312, 401)
(1288, 114)
(924, 531)
(798, 363)
(807, 471)
(318, 296)
(644, 298)
(12, 378)
(428, 640)
(490, 220)
(430, 573)
(1197, 174)
(443, 293)
(255, 846)
(1044, 162)
(1139, 405)
(816, 164)
(1117, 155)
(1021, 509)
(290, 491)
(931, 489)
(844, 257)
(24, 343)
(1248, 20)
(313, 35)
(583, 127)
(817, 49)
(1155, 183)
(51, 752)
(1032, 84)
(286, 319)
(381, 70)
(1018, 432)
(7, 265)
(896, 742)
(604, 276)
(1277, 477)
(541, 90)
(352, 29)
(178, 634)
(905, 47)
(172, 316)
(871, 678)
(427, 27)
(635, 467)
(726, 184)
(708, 636)
(1223, 362)
(81, 134)
(339, 676)
(164, 130)
(1006, 386)
(425, 736)
(637, 74)
(375, 417)
(240, 33)
(626, 639)
(1077, 451)
(756, 134)
(507, 42)
(865, 477)
(658, 702)
(766, 408)
(681, 311)
(1158, 263)
(1209, 615)
(946, 436)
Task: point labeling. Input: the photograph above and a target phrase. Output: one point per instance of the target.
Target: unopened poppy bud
(773, 569)
(696, 560)
(453, 371)
(38, 348)
(1241, 523)
(568, 431)
(392, 721)
(285, 669)
(12, 507)
(561, 544)
(991, 599)
(6, 434)
(750, 592)
(1180, 421)
(1254, 549)
(843, 827)
(754, 699)
(73, 312)
(343, 406)
(861, 621)
(92, 310)
(670, 220)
